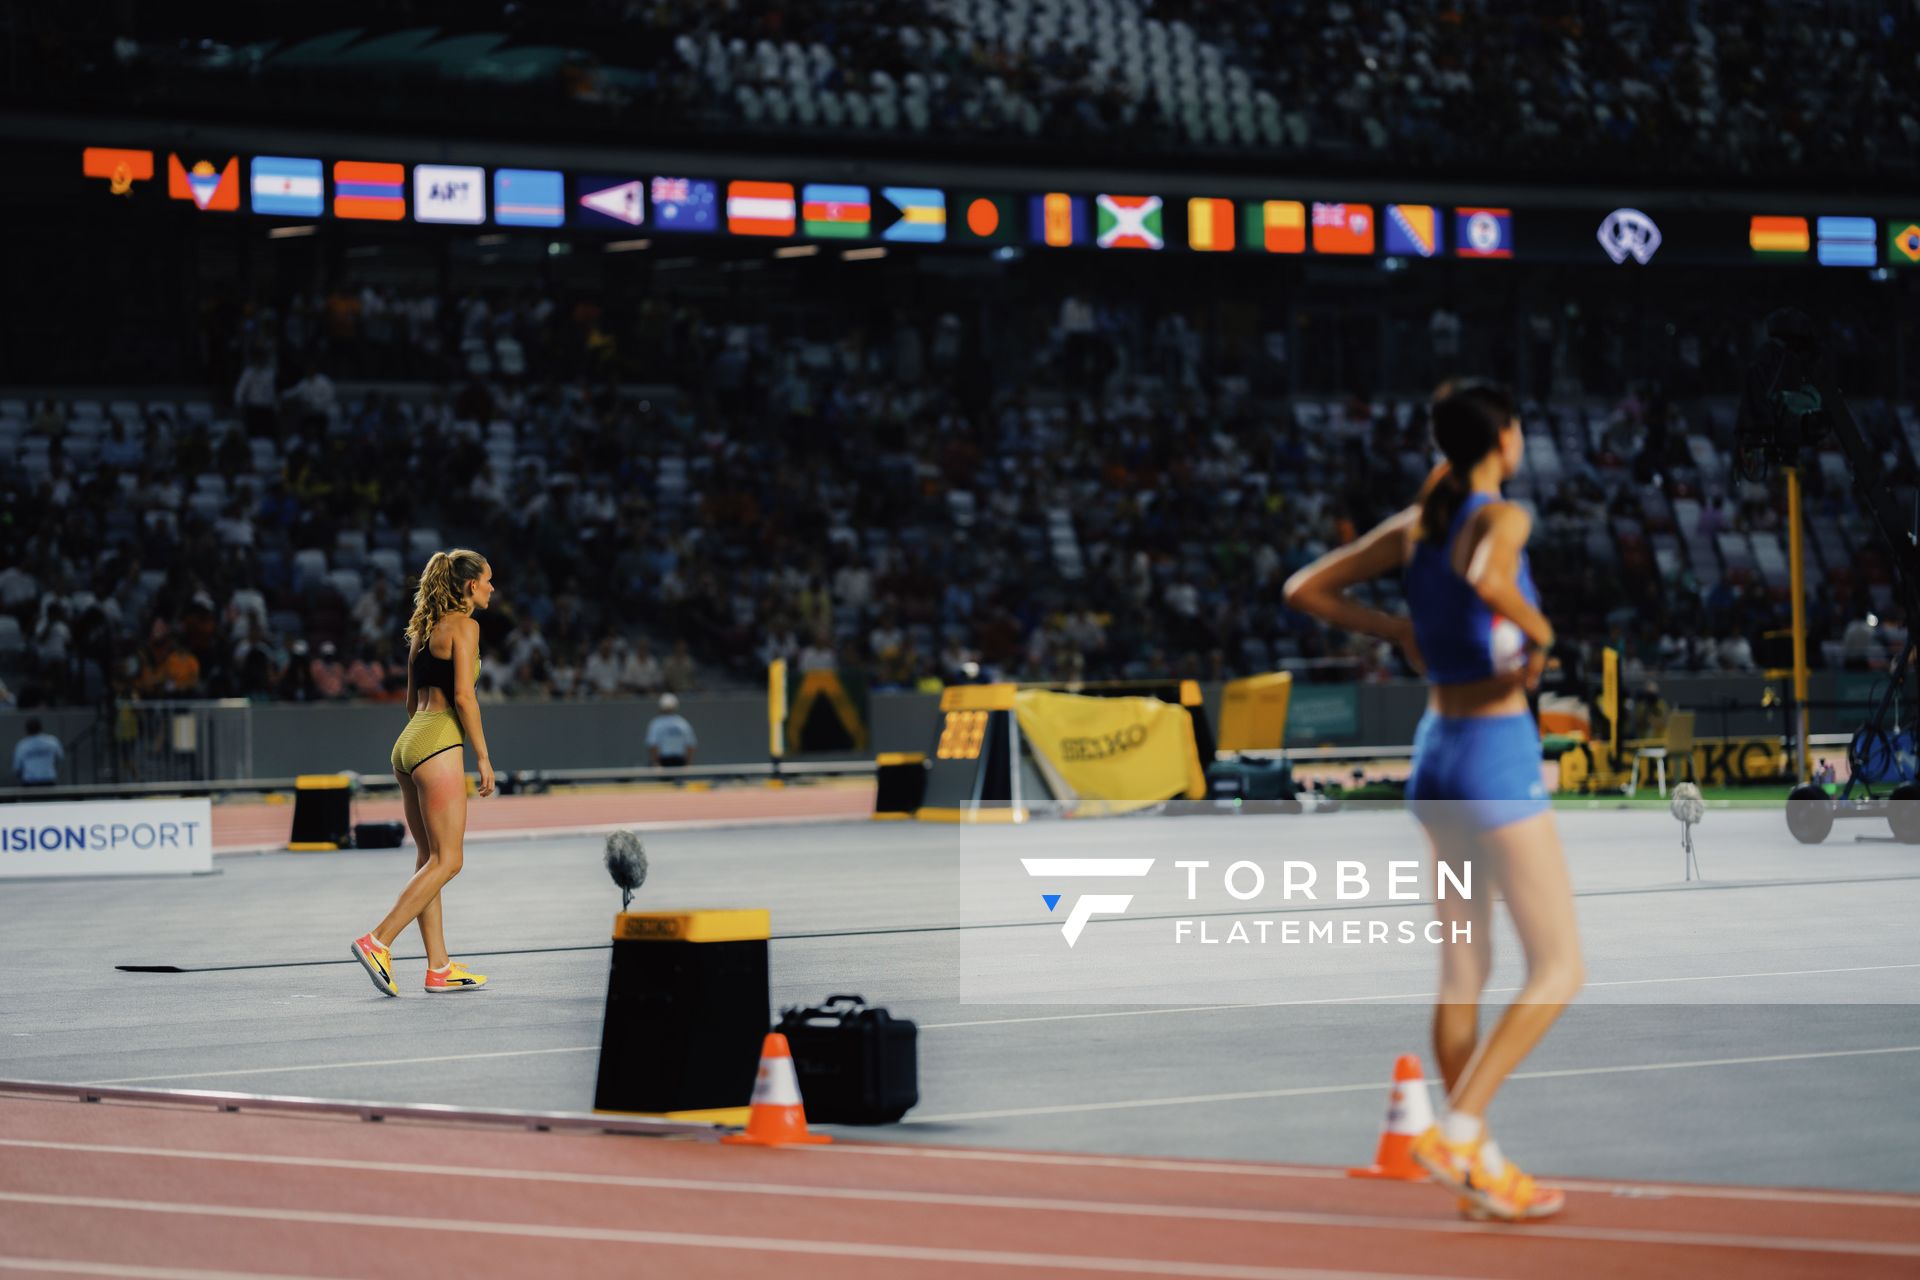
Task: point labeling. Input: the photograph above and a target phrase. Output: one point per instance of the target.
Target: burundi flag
(836, 212)
(1209, 224)
(1277, 226)
(1129, 222)
(1903, 242)
(920, 214)
(211, 189)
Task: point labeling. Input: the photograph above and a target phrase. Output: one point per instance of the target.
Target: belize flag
(370, 191)
(1483, 233)
(288, 186)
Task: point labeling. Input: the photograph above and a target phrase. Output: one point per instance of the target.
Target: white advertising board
(106, 838)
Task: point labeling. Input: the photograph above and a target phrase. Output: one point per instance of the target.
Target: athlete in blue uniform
(1478, 634)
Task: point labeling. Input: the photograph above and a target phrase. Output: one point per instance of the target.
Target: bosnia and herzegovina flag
(1209, 224)
(1129, 222)
(836, 212)
(1057, 220)
(212, 190)
(919, 215)
(369, 190)
(1413, 230)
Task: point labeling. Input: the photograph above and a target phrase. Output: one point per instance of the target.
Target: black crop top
(432, 672)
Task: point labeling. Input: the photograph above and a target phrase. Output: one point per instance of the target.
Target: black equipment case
(857, 1064)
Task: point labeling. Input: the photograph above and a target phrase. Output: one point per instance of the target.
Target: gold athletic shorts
(427, 735)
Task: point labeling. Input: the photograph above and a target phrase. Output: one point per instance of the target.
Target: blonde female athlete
(1478, 634)
(428, 762)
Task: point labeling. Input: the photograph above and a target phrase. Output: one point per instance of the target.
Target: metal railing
(164, 743)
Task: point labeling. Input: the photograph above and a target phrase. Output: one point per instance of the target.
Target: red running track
(261, 826)
(120, 1189)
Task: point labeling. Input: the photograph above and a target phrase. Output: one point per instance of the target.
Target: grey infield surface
(1761, 1027)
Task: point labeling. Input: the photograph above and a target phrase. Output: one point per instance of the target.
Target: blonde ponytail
(443, 589)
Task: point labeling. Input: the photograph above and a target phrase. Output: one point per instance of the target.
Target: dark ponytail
(1468, 415)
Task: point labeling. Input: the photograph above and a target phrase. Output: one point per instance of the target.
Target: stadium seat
(309, 569)
(12, 639)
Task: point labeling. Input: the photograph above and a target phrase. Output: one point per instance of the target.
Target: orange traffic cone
(1409, 1113)
(777, 1117)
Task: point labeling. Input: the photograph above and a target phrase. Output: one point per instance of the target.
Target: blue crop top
(1461, 639)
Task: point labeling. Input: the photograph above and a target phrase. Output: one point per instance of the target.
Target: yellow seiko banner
(1112, 755)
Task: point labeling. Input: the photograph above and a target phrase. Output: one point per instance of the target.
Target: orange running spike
(1409, 1112)
(777, 1118)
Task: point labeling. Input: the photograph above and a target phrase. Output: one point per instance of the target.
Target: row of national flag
(1835, 241)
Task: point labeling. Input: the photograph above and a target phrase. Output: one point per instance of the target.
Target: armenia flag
(370, 191)
(1209, 224)
(836, 212)
(1130, 222)
(919, 213)
(289, 186)
(1277, 226)
(1058, 220)
(1903, 242)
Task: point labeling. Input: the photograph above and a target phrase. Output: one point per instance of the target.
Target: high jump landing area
(1753, 1032)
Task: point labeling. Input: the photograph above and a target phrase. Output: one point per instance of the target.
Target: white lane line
(700, 1240)
(340, 1066)
(1041, 1204)
(79, 1267)
(1649, 1190)
(1406, 995)
(1253, 1095)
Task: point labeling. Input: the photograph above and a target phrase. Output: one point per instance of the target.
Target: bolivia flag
(368, 190)
(1278, 226)
(1785, 236)
(209, 188)
(1903, 243)
(1130, 222)
(1210, 224)
(838, 212)
(760, 208)
(1342, 228)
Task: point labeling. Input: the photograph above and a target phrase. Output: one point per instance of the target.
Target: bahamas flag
(836, 212)
(919, 213)
(1129, 222)
(1058, 220)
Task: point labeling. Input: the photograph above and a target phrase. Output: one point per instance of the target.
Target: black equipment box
(686, 1011)
(1251, 778)
(857, 1064)
(379, 835)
